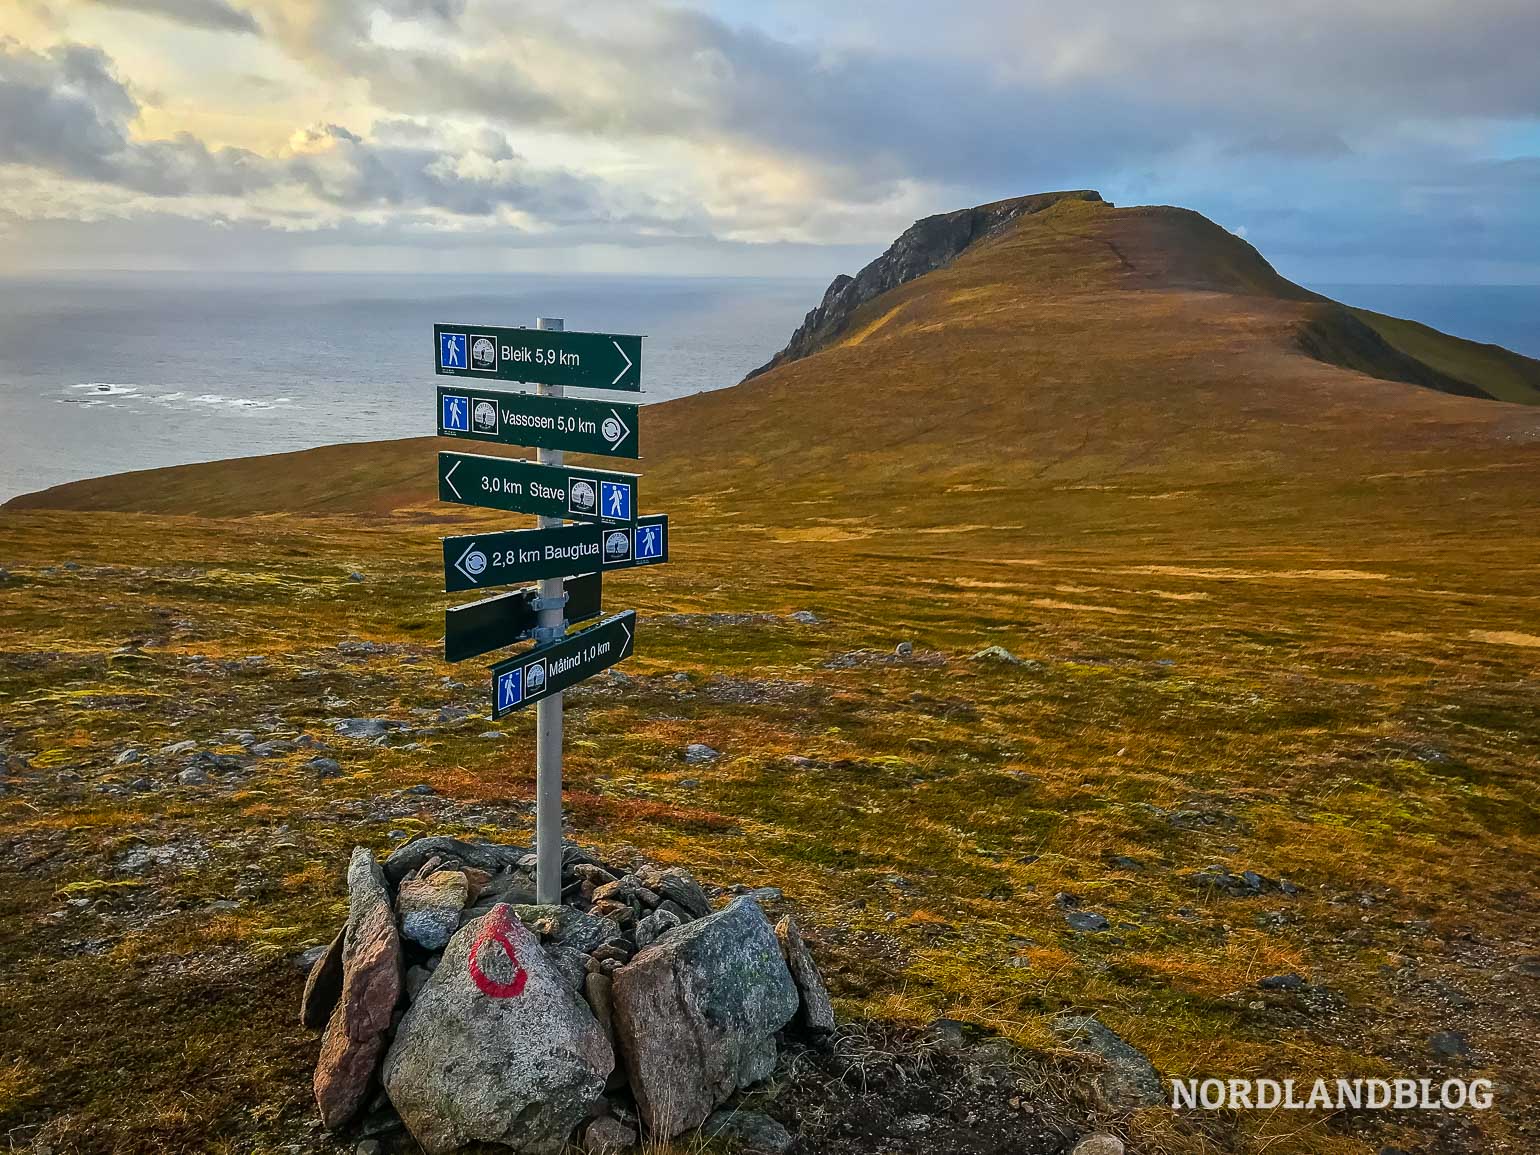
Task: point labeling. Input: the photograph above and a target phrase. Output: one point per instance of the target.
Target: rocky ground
(1257, 817)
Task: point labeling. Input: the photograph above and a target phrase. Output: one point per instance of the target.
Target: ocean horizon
(102, 373)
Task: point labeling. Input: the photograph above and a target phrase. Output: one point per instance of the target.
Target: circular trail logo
(496, 929)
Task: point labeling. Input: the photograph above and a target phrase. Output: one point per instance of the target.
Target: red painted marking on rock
(496, 929)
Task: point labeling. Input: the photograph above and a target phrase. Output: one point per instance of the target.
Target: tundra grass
(1356, 716)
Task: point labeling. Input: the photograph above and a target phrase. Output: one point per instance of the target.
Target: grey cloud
(1024, 89)
(216, 15)
(65, 112)
(1324, 126)
(355, 173)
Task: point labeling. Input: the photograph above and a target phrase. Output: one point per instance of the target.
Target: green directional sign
(479, 561)
(528, 487)
(495, 622)
(602, 428)
(545, 670)
(539, 356)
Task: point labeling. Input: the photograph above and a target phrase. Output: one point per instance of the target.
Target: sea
(107, 372)
(103, 373)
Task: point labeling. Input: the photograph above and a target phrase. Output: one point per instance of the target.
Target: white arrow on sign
(450, 474)
(622, 352)
(625, 430)
(472, 563)
(627, 632)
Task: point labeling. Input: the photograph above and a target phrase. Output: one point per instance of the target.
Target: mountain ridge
(1216, 260)
(1077, 345)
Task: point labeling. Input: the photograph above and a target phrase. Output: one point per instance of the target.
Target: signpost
(478, 561)
(601, 428)
(544, 487)
(542, 356)
(504, 619)
(544, 672)
(607, 535)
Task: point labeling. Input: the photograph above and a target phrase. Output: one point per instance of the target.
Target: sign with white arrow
(546, 669)
(527, 487)
(478, 561)
(539, 356)
(502, 620)
(602, 428)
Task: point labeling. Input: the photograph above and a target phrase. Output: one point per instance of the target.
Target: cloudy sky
(1351, 140)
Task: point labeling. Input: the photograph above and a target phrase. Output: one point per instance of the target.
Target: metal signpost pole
(607, 534)
(548, 709)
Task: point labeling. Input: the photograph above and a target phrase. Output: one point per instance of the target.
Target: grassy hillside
(1496, 371)
(1080, 345)
(1272, 614)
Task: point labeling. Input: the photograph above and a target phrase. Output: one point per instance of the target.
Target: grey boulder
(1128, 1079)
(430, 907)
(498, 1046)
(696, 1015)
(748, 1131)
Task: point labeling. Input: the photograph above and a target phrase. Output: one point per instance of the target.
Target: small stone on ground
(747, 1130)
(1099, 1145)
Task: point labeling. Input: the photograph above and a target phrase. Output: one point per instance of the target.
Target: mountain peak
(926, 245)
(1061, 246)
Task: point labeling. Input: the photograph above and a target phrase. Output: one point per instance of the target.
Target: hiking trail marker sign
(606, 533)
(548, 670)
(600, 428)
(553, 491)
(476, 561)
(539, 356)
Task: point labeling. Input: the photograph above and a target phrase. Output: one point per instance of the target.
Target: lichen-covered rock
(674, 884)
(430, 907)
(483, 855)
(654, 926)
(571, 964)
(498, 1046)
(816, 1012)
(371, 985)
(696, 1015)
(578, 929)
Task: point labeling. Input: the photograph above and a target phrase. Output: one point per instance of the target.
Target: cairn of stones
(632, 1010)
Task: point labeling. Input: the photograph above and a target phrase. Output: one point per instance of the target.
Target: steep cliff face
(926, 245)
